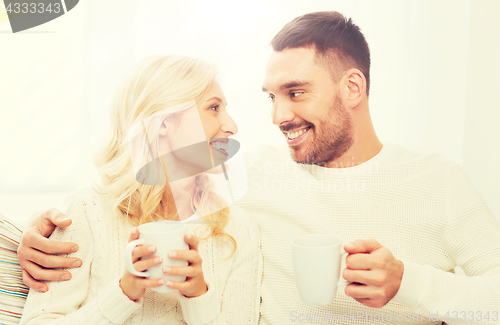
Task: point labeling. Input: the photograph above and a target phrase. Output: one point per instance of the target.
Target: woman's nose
(229, 126)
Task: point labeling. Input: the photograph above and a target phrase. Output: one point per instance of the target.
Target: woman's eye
(271, 96)
(215, 108)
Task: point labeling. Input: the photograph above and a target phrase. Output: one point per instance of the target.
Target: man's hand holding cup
(372, 275)
(376, 272)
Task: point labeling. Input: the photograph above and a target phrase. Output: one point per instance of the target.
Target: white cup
(316, 264)
(166, 235)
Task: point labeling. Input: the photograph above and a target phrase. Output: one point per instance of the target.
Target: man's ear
(355, 87)
(163, 128)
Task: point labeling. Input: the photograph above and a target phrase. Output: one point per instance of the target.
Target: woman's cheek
(210, 127)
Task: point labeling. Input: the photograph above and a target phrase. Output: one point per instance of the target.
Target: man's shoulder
(412, 158)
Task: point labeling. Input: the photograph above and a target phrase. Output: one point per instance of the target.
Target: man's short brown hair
(338, 42)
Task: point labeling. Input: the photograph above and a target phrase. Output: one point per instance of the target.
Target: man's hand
(35, 251)
(376, 272)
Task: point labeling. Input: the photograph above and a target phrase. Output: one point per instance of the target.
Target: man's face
(307, 107)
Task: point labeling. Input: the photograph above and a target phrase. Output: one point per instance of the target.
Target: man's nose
(281, 113)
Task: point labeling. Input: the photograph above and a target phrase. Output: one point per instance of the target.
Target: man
(423, 213)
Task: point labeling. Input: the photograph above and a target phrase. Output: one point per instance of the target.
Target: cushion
(13, 292)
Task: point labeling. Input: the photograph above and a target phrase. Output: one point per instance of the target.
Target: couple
(422, 211)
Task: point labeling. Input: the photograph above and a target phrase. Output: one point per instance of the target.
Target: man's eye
(271, 96)
(296, 94)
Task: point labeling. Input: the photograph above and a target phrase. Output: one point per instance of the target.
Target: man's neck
(361, 151)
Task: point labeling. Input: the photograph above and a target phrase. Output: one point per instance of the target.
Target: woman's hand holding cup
(178, 266)
(133, 286)
(195, 284)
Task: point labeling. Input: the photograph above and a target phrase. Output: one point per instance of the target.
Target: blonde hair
(154, 85)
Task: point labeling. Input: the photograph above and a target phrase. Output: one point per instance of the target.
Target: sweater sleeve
(240, 303)
(473, 239)
(65, 302)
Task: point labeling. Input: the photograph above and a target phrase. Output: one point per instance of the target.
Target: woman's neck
(179, 198)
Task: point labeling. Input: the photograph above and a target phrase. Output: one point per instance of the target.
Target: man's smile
(297, 136)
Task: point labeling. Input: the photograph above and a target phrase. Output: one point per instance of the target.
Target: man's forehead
(289, 65)
(294, 57)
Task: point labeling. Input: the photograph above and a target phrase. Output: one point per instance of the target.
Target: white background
(435, 79)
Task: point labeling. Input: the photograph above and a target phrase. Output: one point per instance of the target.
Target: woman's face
(210, 124)
(217, 123)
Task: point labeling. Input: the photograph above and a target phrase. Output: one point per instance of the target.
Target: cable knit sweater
(93, 295)
(420, 206)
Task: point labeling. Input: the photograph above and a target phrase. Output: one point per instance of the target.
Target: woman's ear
(163, 138)
(163, 128)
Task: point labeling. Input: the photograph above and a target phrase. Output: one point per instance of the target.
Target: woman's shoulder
(87, 196)
(78, 207)
(242, 222)
(85, 202)
(238, 213)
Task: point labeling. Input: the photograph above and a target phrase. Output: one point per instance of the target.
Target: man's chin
(300, 156)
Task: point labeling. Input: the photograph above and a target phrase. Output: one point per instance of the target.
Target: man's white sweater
(420, 206)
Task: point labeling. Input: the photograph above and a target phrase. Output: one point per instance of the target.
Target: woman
(222, 289)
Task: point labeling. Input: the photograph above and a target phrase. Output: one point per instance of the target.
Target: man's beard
(331, 141)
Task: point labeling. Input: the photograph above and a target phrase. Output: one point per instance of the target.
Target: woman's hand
(133, 286)
(194, 285)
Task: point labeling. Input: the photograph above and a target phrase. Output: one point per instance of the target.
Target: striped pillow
(13, 292)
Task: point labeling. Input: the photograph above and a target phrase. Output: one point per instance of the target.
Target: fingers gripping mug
(316, 264)
(166, 235)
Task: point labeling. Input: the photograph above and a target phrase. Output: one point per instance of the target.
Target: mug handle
(128, 258)
(343, 282)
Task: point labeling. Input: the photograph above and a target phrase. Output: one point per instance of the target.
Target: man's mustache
(293, 126)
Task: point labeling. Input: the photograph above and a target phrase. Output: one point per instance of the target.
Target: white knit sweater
(420, 206)
(93, 295)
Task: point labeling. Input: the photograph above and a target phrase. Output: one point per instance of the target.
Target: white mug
(316, 265)
(166, 235)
